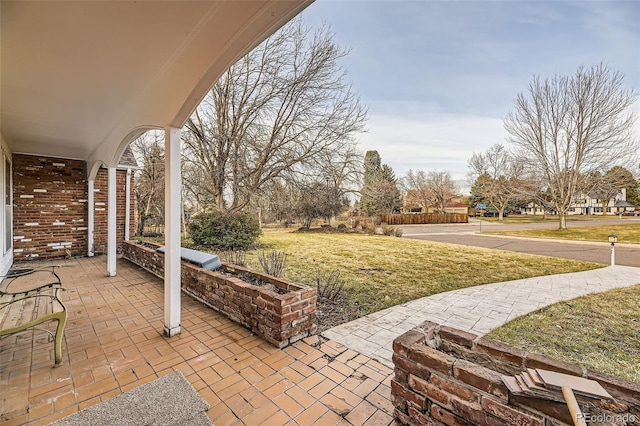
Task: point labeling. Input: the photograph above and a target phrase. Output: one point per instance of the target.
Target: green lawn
(599, 331)
(527, 218)
(627, 233)
(384, 271)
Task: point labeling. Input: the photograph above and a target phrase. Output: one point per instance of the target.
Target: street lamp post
(613, 239)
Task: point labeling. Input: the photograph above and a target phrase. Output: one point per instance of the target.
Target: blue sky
(439, 77)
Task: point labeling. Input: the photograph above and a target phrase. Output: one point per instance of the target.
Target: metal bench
(30, 280)
(205, 260)
(31, 303)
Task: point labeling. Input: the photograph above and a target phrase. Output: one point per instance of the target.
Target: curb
(555, 240)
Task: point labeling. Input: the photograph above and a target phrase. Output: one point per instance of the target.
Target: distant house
(413, 204)
(590, 204)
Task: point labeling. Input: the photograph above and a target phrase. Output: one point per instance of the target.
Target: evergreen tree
(380, 193)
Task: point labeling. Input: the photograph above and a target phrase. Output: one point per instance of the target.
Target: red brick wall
(101, 188)
(280, 319)
(50, 209)
(444, 376)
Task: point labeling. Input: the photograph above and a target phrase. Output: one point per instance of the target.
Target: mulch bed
(333, 313)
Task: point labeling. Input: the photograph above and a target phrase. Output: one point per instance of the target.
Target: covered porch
(80, 81)
(114, 343)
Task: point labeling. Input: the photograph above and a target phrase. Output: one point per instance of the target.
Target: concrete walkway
(476, 309)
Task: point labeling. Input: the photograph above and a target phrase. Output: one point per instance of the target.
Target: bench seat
(22, 311)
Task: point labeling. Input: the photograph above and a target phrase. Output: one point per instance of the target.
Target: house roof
(128, 160)
(83, 79)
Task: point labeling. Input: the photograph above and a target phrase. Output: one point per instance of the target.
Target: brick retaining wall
(445, 376)
(280, 319)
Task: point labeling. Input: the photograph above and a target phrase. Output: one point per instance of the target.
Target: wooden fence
(422, 218)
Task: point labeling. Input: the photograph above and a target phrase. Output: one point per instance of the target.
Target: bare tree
(608, 186)
(278, 113)
(569, 126)
(434, 189)
(416, 189)
(316, 200)
(496, 173)
(149, 180)
(442, 188)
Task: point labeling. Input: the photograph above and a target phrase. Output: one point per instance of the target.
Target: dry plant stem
(273, 263)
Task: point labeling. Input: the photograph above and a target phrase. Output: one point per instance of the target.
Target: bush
(225, 231)
(331, 287)
(234, 257)
(387, 230)
(273, 263)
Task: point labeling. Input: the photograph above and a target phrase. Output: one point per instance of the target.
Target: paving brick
(322, 388)
(361, 413)
(311, 414)
(301, 397)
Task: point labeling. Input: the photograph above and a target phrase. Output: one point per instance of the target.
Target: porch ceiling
(82, 79)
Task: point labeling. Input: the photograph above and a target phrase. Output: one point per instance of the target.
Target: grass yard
(526, 218)
(599, 331)
(627, 233)
(384, 271)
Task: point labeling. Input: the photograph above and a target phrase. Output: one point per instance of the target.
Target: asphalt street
(468, 235)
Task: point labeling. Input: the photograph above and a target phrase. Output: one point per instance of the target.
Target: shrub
(225, 231)
(331, 287)
(234, 257)
(387, 230)
(397, 232)
(273, 263)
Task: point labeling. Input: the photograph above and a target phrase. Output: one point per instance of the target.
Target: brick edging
(448, 376)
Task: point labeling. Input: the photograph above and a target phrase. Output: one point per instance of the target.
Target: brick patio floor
(114, 343)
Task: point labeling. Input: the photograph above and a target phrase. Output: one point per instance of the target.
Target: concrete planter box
(281, 313)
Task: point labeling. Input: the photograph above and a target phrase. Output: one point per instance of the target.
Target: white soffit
(80, 79)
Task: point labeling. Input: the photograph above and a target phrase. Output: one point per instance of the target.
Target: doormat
(169, 400)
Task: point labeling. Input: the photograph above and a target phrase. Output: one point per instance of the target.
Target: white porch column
(172, 231)
(127, 206)
(90, 218)
(111, 224)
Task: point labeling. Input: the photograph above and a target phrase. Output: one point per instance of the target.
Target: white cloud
(440, 76)
(411, 135)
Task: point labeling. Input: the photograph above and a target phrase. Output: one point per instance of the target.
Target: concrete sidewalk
(476, 309)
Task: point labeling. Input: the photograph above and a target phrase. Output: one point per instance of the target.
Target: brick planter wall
(280, 319)
(444, 376)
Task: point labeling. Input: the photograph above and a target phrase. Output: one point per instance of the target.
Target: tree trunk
(563, 220)
(141, 221)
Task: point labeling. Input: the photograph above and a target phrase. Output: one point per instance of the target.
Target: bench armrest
(12, 277)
